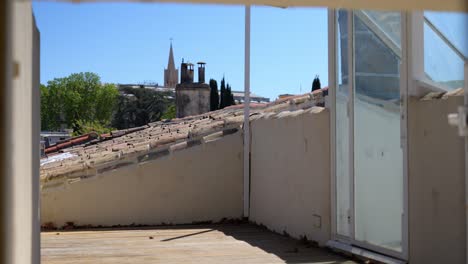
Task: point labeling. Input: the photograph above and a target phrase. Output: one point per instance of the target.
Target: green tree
(214, 95)
(75, 100)
(91, 126)
(222, 102)
(316, 84)
(170, 112)
(140, 106)
(229, 96)
(124, 114)
(45, 108)
(106, 99)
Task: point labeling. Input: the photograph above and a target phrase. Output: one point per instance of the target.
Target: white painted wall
(24, 143)
(290, 174)
(436, 183)
(200, 183)
(290, 183)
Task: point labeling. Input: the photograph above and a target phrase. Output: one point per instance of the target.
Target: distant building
(282, 96)
(192, 98)
(239, 97)
(171, 74)
(50, 138)
(155, 87)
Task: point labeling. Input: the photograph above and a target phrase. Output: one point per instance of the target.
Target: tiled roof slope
(160, 138)
(442, 95)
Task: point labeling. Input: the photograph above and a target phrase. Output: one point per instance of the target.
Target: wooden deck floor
(181, 244)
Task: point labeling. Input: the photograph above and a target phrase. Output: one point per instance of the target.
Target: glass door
(368, 143)
(342, 136)
(378, 156)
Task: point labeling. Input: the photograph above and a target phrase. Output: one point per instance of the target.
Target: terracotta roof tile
(137, 144)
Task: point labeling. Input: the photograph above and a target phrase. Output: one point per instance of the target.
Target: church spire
(170, 63)
(171, 74)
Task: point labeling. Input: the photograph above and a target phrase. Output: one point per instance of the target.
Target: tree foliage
(76, 100)
(227, 98)
(170, 112)
(91, 126)
(222, 101)
(214, 95)
(316, 84)
(140, 106)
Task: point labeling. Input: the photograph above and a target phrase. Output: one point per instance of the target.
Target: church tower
(171, 74)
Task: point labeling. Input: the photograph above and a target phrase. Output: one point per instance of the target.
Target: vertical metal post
(415, 24)
(466, 165)
(405, 82)
(351, 84)
(332, 87)
(35, 141)
(247, 113)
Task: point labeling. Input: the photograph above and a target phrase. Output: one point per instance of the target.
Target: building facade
(239, 97)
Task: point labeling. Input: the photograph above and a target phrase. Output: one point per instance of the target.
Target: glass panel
(454, 26)
(389, 23)
(378, 158)
(441, 63)
(342, 128)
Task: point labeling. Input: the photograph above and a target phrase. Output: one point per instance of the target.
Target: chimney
(201, 72)
(190, 73)
(183, 72)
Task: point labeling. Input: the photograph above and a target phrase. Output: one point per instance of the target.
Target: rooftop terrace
(240, 243)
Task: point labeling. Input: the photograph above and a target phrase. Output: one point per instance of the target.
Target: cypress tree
(214, 96)
(223, 101)
(229, 96)
(232, 99)
(316, 84)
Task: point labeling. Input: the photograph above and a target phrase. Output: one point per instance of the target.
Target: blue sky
(129, 43)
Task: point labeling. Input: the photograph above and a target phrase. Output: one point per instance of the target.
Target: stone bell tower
(171, 74)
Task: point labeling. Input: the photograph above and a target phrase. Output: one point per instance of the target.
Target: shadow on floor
(288, 249)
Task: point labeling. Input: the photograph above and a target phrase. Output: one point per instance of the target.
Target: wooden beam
(437, 5)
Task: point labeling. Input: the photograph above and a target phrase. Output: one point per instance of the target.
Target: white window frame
(247, 113)
(407, 56)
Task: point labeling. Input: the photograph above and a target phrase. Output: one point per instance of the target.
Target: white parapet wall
(23, 142)
(436, 183)
(290, 173)
(191, 184)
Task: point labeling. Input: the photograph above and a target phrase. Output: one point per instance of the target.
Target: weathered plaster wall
(290, 173)
(436, 183)
(192, 99)
(199, 183)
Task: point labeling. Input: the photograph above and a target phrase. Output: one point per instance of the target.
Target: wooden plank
(187, 244)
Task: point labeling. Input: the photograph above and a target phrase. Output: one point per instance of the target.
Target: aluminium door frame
(350, 107)
(332, 46)
(405, 82)
(465, 101)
